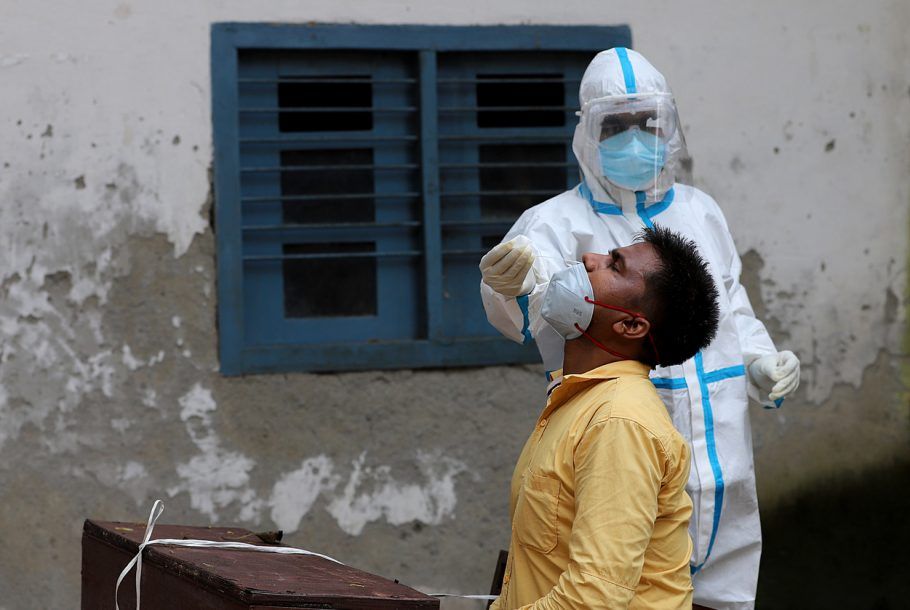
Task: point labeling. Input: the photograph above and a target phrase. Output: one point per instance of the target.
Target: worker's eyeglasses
(645, 121)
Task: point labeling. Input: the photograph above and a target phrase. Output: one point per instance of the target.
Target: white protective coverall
(707, 396)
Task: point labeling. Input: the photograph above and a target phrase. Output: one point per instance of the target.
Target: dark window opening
(304, 93)
(313, 172)
(535, 91)
(329, 287)
(536, 172)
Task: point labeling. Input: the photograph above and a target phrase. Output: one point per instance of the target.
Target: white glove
(507, 267)
(778, 373)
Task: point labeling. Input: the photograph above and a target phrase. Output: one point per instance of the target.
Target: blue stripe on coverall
(627, 73)
(712, 454)
(600, 207)
(679, 383)
(526, 324)
(649, 212)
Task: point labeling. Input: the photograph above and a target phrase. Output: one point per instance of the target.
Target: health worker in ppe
(629, 145)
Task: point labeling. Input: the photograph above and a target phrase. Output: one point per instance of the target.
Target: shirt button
(507, 578)
(543, 423)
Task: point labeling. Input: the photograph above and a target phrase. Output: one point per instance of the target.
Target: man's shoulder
(635, 399)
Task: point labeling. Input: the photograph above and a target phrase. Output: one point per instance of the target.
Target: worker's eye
(611, 128)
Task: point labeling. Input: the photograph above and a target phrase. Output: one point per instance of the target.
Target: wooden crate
(185, 578)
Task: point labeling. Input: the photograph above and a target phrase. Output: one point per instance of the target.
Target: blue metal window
(361, 172)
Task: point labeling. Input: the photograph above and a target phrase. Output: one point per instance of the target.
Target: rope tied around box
(158, 508)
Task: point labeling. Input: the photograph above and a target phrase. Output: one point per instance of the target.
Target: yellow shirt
(599, 506)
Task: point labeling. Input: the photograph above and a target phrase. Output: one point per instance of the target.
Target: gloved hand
(507, 268)
(778, 373)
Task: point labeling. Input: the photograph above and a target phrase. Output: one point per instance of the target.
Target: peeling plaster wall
(797, 119)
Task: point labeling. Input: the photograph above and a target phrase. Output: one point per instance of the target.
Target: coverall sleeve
(518, 318)
(753, 336)
(619, 468)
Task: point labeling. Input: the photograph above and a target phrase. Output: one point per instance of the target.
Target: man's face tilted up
(597, 306)
(619, 279)
(619, 326)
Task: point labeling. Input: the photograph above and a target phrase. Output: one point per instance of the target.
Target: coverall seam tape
(600, 207)
(730, 372)
(712, 457)
(628, 74)
(526, 318)
(647, 213)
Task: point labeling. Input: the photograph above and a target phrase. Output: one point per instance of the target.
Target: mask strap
(634, 314)
(601, 345)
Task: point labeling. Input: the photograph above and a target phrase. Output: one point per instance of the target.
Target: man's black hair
(680, 298)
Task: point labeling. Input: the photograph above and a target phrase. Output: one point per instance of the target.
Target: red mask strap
(634, 314)
(601, 345)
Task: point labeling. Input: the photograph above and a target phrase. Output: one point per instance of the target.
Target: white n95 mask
(564, 303)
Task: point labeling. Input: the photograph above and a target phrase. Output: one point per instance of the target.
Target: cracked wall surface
(110, 395)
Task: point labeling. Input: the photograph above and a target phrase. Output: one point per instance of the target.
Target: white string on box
(158, 508)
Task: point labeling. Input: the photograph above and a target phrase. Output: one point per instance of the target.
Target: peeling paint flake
(295, 492)
(216, 477)
(430, 502)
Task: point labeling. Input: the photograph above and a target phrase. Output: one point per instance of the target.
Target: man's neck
(581, 356)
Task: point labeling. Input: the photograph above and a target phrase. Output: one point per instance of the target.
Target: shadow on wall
(842, 545)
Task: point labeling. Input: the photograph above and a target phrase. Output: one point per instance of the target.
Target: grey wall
(797, 119)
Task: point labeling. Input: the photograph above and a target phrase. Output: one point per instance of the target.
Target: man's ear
(632, 327)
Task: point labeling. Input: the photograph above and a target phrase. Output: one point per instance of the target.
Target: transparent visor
(653, 114)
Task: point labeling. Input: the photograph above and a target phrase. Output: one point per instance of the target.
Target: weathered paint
(109, 392)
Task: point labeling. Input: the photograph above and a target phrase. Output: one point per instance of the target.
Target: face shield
(632, 138)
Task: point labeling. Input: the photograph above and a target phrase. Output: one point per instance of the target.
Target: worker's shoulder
(565, 204)
(687, 195)
(634, 398)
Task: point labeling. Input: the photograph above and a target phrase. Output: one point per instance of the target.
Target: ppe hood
(621, 85)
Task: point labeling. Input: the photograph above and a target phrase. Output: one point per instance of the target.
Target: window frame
(227, 41)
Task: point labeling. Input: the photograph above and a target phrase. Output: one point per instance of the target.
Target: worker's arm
(518, 317)
(755, 342)
(619, 468)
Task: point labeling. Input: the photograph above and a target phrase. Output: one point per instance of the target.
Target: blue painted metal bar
(509, 81)
(330, 255)
(386, 355)
(512, 164)
(225, 129)
(425, 37)
(332, 168)
(324, 109)
(540, 193)
(486, 109)
(332, 225)
(308, 80)
(501, 134)
(429, 158)
(353, 136)
(330, 197)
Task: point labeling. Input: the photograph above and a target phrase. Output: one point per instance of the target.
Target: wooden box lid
(253, 577)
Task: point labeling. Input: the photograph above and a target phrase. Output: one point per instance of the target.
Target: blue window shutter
(430, 171)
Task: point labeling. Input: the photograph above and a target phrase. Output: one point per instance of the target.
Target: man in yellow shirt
(599, 506)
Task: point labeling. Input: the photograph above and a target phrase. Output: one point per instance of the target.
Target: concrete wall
(798, 119)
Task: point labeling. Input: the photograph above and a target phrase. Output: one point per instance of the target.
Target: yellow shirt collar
(574, 383)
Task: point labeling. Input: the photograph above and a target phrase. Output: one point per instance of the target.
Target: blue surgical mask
(564, 303)
(631, 159)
